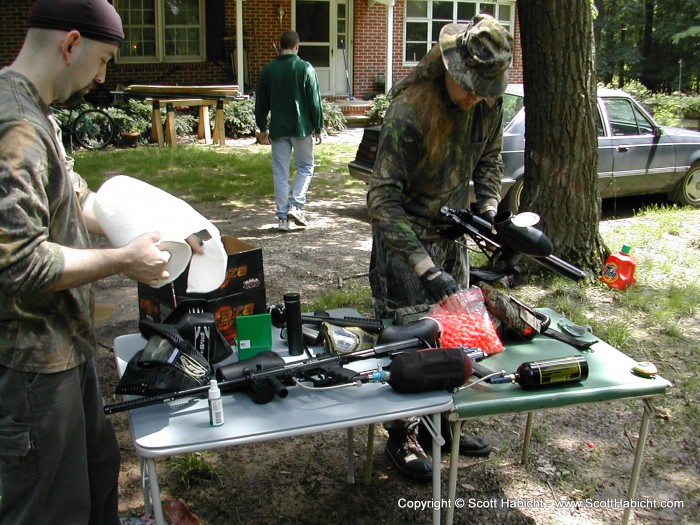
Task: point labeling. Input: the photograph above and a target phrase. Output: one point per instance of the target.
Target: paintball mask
(179, 354)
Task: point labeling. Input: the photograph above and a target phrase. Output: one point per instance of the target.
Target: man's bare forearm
(86, 266)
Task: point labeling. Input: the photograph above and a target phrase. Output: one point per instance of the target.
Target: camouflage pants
(397, 292)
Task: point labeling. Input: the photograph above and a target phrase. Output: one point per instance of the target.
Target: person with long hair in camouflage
(442, 130)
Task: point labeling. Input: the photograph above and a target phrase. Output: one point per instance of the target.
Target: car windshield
(511, 105)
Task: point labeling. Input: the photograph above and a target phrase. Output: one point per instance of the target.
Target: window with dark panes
(162, 30)
(626, 119)
(425, 18)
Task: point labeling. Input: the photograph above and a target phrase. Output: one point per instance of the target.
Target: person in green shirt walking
(288, 92)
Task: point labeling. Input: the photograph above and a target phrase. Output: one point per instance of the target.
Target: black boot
(404, 451)
(469, 444)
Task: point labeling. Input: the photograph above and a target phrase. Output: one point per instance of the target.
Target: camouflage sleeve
(398, 155)
(28, 263)
(488, 172)
(80, 186)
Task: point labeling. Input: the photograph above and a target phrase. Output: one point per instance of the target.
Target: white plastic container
(216, 405)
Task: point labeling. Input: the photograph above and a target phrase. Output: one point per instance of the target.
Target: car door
(605, 154)
(643, 158)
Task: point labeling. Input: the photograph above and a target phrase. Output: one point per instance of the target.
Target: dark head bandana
(95, 19)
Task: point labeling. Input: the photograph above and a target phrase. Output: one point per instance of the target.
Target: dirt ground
(579, 454)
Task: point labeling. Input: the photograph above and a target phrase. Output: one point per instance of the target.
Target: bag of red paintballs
(465, 321)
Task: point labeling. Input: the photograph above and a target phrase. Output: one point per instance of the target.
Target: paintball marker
(267, 375)
(278, 318)
(504, 243)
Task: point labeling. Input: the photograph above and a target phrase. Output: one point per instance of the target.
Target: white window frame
(493, 7)
(160, 30)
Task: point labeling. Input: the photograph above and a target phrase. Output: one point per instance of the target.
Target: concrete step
(357, 121)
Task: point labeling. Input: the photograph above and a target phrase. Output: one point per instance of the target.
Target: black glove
(438, 283)
(488, 215)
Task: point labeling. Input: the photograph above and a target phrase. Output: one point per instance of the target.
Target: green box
(254, 335)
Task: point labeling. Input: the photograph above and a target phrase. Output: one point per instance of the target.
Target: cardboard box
(241, 293)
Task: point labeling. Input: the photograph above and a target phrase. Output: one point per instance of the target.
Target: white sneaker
(298, 216)
(283, 225)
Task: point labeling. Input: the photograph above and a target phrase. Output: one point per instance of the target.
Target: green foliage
(126, 122)
(355, 293)
(643, 40)
(333, 118)
(668, 110)
(187, 470)
(239, 118)
(200, 173)
(379, 106)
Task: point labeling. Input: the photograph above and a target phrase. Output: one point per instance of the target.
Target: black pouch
(429, 369)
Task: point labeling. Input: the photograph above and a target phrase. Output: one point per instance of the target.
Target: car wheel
(687, 193)
(511, 202)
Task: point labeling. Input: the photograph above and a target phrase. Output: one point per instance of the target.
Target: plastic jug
(618, 271)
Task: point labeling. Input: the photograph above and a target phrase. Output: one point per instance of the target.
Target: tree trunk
(561, 150)
(648, 68)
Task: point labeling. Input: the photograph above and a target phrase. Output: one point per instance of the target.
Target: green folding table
(610, 379)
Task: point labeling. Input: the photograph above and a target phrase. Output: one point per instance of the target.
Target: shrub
(239, 118)
(333, 118)
(379, 106)
(668, 110)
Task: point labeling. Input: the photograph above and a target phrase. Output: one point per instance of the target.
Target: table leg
(437, 454)
(350, 456)
(157, 124)
(152, 481)
(638, 456)
(528, 435)
(203, 127)
(170, 131)
(369, 457)
(219, 130)
(145, 488)
(454, 465)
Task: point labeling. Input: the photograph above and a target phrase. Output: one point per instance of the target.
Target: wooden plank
(225, 90)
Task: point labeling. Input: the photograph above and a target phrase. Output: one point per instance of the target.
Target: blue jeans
(281, 162)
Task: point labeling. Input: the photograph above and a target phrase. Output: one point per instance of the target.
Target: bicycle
(91, 128)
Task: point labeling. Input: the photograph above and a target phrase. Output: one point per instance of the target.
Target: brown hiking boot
(405, 452)
(469, 444)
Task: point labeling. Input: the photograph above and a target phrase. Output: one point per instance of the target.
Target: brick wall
(14, 14)
(370, 47)
(261, 31)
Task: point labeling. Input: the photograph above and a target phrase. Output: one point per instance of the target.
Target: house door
(323, 27)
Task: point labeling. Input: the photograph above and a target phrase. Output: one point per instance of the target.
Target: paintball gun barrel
(511, 239)
(267, 375)
(278, 317)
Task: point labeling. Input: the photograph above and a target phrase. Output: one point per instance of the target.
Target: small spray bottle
(216, 405)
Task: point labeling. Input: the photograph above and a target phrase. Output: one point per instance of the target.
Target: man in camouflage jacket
(59, 458)
(443, 128)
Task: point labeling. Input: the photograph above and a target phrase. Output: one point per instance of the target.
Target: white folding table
(182, 426)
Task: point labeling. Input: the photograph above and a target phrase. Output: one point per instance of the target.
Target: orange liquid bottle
(618, 271)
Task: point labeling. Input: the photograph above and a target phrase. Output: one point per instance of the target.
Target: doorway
(324, 27)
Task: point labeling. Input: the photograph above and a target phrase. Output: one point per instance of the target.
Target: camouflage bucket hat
(478, 55)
